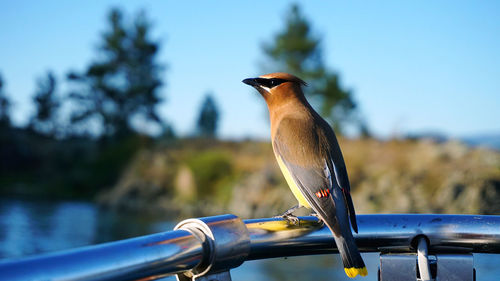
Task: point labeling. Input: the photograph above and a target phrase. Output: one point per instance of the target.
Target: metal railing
(211, 246)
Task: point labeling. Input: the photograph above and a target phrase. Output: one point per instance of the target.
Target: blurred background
(121, 118)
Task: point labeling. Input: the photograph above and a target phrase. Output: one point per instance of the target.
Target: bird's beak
(251, 81)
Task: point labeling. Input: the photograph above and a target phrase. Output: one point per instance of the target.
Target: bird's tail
(338, 222)
(353, 263)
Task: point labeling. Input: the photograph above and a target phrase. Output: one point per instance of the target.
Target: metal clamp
(226, 245)
(411, 267)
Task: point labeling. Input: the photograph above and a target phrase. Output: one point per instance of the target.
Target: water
(33, 227)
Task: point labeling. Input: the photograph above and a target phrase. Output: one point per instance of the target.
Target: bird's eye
(275, 82)
(269, 83)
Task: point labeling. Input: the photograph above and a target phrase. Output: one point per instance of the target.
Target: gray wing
(316, 185)
(340, 172)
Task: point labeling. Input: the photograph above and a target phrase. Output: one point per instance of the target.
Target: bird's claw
(289, 218)
(294, 220)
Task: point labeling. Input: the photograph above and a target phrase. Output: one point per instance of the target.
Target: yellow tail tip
(353, 271)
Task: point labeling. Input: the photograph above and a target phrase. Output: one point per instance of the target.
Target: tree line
(114, 96)
(119, 91)
(83, 138)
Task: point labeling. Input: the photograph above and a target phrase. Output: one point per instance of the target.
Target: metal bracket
(397, 267)
(455, 267)
(424, 267)
(411, 267)
(226, 245)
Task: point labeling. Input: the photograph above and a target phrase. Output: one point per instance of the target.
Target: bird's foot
(289, 217)
(294, 220)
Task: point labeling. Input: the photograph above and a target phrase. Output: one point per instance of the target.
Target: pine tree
(122, 84)
(297, 50)
(4, 107)
(47, 104)
(208, 119)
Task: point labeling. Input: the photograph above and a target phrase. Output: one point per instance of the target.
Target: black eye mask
(270, 83)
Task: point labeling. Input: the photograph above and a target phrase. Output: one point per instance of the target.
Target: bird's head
(276, 86)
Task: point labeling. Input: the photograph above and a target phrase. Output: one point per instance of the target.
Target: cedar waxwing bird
(309, 157)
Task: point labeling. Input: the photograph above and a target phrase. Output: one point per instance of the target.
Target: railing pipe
(148, 256)
(177, 251)
(377, 233)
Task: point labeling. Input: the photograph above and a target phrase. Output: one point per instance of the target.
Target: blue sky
(413, 66)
